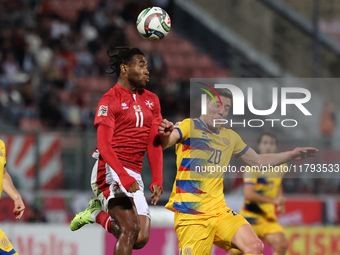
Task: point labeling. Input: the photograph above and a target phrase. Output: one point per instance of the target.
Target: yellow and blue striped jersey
(197, 188)
(2, 163)
(267, 185)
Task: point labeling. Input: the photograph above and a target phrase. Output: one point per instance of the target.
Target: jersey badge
(124, 106)
(102, 110)
(1, 153)
(177, 124)
(148, 103)
(5, 242)
(187, 251)
(137, 108)
(226, 141)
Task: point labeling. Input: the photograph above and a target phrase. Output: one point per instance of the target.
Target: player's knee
(142, 239)
(141, 242)
(255, 247)
(131, 228)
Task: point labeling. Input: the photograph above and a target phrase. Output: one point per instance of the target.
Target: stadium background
(52, 74)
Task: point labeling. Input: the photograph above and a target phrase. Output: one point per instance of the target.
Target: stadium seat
(64, 95)
(175, 73)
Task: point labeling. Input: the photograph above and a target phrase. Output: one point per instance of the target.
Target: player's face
(267, 144)
(138, 74)
(218, 110)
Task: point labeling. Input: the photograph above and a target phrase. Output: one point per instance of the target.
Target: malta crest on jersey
(148, 103)
(102, 111)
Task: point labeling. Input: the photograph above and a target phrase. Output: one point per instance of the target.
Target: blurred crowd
(48, 51)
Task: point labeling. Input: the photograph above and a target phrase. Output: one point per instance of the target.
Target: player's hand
(19, 208)
(156, 194)
(281, 209)
(279, 201)
(165, 127)
(302, 153)
(134, 187)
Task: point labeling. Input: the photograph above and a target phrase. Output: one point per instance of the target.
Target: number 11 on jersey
(139, 119)
(139, 115)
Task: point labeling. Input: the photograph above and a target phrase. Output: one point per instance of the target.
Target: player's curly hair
(123, 56)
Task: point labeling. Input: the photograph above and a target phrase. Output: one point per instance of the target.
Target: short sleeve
(156, 112)
(3, 151)
(105, 113)
(183, 129)
(239, 146)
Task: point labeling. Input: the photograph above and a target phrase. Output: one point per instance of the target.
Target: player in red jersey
(127, 126)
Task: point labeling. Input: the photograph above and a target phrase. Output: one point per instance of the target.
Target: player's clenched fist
(165, 127)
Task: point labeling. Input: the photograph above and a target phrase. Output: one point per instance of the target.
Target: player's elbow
(104, 149)
(248, 196)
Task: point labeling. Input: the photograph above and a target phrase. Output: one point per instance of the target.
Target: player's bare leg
(246, 240)
(278, 241)
(115, 229)
(124, 213)
(94, 214)
(143, 235)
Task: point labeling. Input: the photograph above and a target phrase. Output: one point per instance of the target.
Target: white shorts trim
(117, 189)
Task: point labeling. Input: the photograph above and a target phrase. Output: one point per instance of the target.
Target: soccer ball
(153, 24)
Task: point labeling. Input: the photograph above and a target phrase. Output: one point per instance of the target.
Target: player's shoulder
(183, 122)
(149, 94)
(110, 97)
(110, 93)
(228, 131)
(2, 147)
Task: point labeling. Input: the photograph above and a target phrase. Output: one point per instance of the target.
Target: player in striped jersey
(201, 215)
(7, 186)
(262, 193)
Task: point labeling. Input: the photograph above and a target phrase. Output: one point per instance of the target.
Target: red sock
(103, 218)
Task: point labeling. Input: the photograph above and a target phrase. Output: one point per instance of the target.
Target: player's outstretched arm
(251, 158)
(11, 191)
(169, 136)
(104, 136)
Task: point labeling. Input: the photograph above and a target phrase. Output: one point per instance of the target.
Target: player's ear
(123, 68)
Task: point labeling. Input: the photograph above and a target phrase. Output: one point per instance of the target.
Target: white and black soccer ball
(153, 23)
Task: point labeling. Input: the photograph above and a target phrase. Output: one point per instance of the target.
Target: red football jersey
(131, 116)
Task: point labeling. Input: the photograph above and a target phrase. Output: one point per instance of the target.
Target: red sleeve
(157, 116)
(155, 156)
(104, 136)
(105, 113)
(154, 149)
